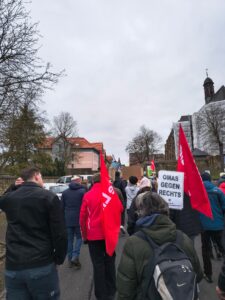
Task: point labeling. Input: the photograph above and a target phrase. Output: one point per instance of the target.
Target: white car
(56, 188)
(65, 179)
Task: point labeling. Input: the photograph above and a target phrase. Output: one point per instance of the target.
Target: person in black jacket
(71, 202)
(119, 183)
(187, 219)
(36, 239)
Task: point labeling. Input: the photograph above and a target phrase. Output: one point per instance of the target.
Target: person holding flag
(205, 199)
(193, 185)
(100, 218)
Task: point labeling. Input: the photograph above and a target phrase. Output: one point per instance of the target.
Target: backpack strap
(179, 238)
(150, 266)
(141, 234)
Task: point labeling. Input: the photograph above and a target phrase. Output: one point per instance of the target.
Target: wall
(87, 160)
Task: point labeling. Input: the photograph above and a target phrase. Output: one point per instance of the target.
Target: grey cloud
(130, 62)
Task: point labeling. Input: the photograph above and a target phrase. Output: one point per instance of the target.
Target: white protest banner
(171, 188)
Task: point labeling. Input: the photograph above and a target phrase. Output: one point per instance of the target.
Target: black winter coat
(119, 184)
(187, 219)
(36, 233)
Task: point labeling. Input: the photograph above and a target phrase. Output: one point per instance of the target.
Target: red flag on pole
(193, 185)
(153, 165)
(112, 209)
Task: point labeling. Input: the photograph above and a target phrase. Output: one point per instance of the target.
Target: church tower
(208, 89)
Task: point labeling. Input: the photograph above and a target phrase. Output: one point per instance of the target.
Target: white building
(215, 105)
(197, 134)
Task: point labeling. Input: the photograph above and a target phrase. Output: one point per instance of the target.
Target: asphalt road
(78, 284)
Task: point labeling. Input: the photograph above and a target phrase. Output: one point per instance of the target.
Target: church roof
(220, 94)
(208, 80)
(198, 152)
(185, 118)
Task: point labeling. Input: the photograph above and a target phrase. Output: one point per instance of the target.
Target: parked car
(67, 178)
(56, 188)
(64, 179)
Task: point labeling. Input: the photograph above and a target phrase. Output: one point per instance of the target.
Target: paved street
(77, 285)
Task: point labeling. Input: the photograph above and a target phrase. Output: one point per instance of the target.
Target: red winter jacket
(91, 215)
(222, 187)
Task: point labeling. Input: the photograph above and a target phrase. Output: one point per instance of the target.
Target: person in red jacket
(93, 233)
(222, 187)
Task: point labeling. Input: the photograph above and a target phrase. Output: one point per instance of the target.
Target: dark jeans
(73, 251)
(207, 236)
(37, 283)
(104, 270)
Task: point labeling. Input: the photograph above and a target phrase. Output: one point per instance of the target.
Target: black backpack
(169, 275)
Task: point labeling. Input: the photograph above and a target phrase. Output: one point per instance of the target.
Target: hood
(132, 187)
(160, 228)
(209, 185)
(75, 186)
(146, 221)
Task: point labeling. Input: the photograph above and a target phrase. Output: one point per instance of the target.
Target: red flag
(153, 165)
(112, 209)
(193, 185)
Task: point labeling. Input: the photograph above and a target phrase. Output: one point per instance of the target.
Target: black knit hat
(206, 176)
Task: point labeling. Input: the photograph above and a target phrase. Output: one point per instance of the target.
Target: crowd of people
(42, 231)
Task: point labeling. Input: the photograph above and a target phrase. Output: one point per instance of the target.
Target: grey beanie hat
(151, 203)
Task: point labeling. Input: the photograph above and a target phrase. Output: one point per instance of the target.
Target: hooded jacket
(91, 215)
(217, 202)
(221, 179)
(71, 202)
(137, 253)
(131, 192)
(222, 187)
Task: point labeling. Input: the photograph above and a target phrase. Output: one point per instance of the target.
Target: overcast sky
(130, 62)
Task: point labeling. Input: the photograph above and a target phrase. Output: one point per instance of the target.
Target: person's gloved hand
(19, 181)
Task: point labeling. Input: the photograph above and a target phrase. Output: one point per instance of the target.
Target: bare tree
(144, 145)
(21, 70)
(211, 124)
(64, 127)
